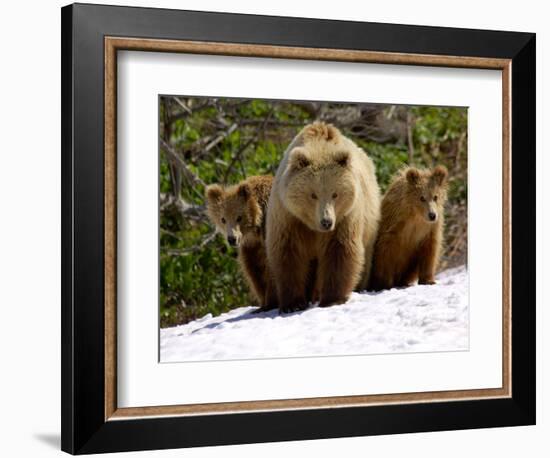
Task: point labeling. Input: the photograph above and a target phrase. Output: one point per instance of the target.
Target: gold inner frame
(112, 45)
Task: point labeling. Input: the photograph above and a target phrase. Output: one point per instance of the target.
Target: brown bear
(239, 212)
(411, 229)
(322, 219)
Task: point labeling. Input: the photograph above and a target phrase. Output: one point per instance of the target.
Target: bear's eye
(239, 219)
(313, 195)
(223, 220)
(335, 195)
(422, 199)
(435, 198)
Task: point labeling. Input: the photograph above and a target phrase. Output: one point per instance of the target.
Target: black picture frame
(84, 428)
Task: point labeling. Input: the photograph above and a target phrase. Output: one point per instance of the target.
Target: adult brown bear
(322, 219)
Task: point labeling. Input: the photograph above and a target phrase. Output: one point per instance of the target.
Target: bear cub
(239, 213)
(410, 236)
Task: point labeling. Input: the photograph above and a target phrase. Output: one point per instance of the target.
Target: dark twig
(221, 137)
(189, 175)
(195, 248)
(410, 144)
(185, 209)
(182, 105)
(237, 156)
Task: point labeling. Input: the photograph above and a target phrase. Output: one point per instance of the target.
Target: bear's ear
(298, 159)
(439, 175)
(413, 176)
(342, 158)
(244, 191)
(332, 132)
(214, 193)
(322, 131)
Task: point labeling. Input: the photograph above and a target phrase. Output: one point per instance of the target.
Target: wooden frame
(109, 428)
(112, 45)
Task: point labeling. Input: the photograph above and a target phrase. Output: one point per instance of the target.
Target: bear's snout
(432, 216)
(232, 240)
(327, 223)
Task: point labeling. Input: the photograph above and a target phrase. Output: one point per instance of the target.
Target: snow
(420, 318)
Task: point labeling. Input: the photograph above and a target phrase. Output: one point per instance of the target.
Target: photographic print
(309, 228)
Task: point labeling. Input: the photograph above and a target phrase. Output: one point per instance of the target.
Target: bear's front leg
(410, 275)
(253, 261)
(428, 257)
(289, 268)
(339, 269)
(384, 269)
(270, 301)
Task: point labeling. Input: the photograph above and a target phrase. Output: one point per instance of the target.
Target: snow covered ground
(415, 319)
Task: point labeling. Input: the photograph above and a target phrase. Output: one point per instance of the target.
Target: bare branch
(459, 147)
(410, 143)
(185, 209)
(182, 105)
(195, 248)
(254, 122)
(173, 156)
(221, 136)
(237, 156)
(189, 111)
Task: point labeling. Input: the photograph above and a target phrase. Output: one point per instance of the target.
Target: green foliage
(200, 282)
(387, 158)
(199, 272)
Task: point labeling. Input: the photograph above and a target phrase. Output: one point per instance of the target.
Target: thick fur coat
(322, 219)
(411, 229)
(239, 213)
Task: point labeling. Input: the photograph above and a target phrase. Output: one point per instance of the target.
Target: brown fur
(322, 219)
(239, 214)
(409, 243)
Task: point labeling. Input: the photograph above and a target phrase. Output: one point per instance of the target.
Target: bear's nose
(326, 223)
(432, 216)
(232, 240)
